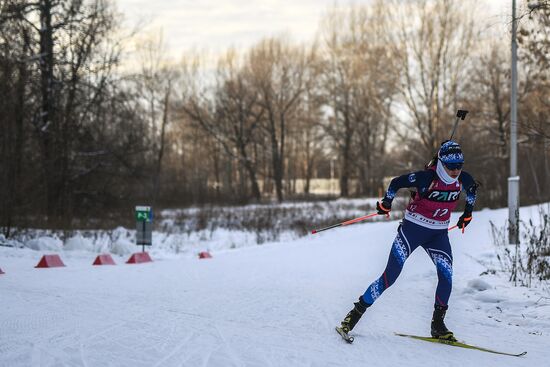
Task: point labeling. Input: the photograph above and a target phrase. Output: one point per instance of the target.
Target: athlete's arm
(419, 180)
(470, 187)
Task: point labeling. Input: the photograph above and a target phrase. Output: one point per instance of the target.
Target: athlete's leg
(439, 250)
(403, 245)
(409, 236)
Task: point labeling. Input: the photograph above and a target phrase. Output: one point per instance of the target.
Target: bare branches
(359, 81)
(434, 52)
(374, 98)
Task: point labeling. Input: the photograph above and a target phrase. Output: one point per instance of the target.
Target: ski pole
(455, 226)
(460, 115)
(351, 221)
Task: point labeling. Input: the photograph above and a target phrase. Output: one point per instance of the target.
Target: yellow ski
(459, 344)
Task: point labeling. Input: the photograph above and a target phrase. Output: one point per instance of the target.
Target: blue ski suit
(425, 224)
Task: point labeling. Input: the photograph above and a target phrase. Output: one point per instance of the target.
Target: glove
(383, 207)
(464, 220)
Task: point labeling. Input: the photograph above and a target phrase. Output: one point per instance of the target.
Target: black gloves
(383, 206)
(464, 220)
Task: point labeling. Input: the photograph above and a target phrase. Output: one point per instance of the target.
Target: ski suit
(425, 224)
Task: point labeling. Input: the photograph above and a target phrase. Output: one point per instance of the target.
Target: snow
(45, 244)
(270, 305)
(478, 285)
(78, 243)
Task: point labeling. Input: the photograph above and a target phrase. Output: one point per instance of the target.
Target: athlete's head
(451, 157)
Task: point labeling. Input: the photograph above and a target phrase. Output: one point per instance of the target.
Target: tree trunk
(47, 127)
(251, 174)
(346, 162)
(277, 171)
(277, 156)
(160, 155)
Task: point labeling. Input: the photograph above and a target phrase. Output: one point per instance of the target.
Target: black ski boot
(439, 330)
(354, 315)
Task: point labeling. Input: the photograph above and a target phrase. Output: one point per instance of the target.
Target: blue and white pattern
(450, 152)
(412, 177)
(409, 237)
(443, 264)
(471, 199)
(376, 289)
(390, 194)
(399, 250)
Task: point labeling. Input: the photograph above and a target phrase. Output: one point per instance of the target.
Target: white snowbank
(79, 243)
(44, 243)
(123, 242)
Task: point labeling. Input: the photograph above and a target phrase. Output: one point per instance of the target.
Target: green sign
(144, 214)
(144, 226)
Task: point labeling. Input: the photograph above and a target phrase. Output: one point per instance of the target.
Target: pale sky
(216, 25)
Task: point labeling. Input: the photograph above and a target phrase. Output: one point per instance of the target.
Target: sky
(216, 25)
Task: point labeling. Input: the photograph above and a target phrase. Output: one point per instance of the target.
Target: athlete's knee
(443, 264)
(400, 248)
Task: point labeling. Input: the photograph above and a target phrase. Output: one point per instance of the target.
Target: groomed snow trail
(268, 305)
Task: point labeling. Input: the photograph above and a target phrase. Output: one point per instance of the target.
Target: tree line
(83, 139)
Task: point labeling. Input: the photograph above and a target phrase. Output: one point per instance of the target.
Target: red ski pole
(456, 226)
(351, 221)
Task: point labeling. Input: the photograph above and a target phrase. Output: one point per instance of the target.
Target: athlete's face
(454, 173)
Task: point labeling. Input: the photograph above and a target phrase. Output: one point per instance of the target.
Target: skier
(425, 224)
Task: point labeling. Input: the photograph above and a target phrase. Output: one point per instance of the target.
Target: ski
(459, 344)
(344, 335)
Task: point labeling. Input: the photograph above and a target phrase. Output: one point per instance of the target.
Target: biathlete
(425, 224)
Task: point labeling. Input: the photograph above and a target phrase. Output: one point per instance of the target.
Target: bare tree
(308, 135)
(156, 81)
(230, 113)
(359, 80)
(62, 38)
(280, 78)
(489, 101)
(534, 40)
(337, 82)
(65, 68)
(434, 44)
(15, 101)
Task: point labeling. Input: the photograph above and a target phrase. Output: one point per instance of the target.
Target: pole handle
(460, 115)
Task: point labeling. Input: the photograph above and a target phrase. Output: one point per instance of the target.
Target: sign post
(144, 226)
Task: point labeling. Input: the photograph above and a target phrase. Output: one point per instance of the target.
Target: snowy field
(270, 305)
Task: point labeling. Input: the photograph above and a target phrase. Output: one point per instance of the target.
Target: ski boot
(439, 330)
(354, 315)
(351, 319)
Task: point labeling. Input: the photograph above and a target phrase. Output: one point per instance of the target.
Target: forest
(84, 135)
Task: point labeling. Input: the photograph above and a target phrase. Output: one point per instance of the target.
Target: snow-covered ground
(186, 232)
(269, 305)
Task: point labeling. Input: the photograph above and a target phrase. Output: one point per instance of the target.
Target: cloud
(216, 25)
(219, 24)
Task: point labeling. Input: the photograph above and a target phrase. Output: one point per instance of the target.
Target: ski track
(271, 305)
